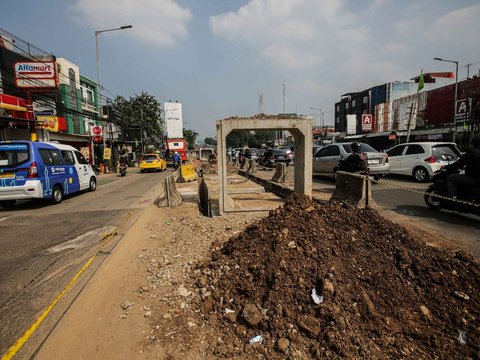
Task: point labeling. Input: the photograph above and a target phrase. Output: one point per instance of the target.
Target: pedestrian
(356, 162)
(470, 161)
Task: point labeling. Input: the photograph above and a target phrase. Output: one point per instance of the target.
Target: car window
(414, 149)
(81, 159)
(68, 157)
(396, 151)
(333, 151)
(322, 152)
(46, 156)
(12, 154)
(363, 148)
(445, 152)
(56, 157)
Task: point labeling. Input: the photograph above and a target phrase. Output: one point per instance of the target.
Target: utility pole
(141, 131)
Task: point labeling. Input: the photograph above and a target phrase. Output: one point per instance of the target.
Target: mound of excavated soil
(385, 294)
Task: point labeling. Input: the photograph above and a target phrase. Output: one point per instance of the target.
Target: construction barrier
(251, 166)
(354, 189)
(281, 173)
(187, 173)
(169, 196)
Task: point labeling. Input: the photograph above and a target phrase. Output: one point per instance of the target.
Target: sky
(217, 56)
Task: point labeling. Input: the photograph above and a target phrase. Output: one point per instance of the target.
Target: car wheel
(420, 174)
(7, 204)
(57, 195)
(142, 171)
(376, 177)
(92, 186)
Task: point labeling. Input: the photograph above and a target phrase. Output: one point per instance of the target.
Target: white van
(42, 170)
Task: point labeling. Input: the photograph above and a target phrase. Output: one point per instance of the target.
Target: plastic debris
(317, 299)
(462, 337)
(256, 340)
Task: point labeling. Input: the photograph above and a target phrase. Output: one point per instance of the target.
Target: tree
(210, 141)
(138, 107)
(191, 137)
(239, 139)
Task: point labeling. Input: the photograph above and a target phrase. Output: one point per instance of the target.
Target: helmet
(355, 147)
(476, 141)
(176, 152)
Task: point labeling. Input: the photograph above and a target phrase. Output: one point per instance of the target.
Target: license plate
(7, 175)
(281, 157)
(375, 161)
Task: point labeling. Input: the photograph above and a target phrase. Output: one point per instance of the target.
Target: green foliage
(239, 139)
(191, 137)
(131, 111)
(210, 141)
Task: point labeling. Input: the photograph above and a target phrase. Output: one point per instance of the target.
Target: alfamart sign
(36, 75)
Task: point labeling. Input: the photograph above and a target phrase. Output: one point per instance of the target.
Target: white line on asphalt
(5, 218)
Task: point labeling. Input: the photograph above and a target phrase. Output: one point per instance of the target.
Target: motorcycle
(267, 162)
(95, 169)
(176, 164)
(468, 200)
(123, 169)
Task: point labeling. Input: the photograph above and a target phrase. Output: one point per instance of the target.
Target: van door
(83, 170)
(53, 172)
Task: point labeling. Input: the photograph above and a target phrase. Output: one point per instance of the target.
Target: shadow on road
(445, 216)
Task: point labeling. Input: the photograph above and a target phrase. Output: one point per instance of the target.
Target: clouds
(160, 22)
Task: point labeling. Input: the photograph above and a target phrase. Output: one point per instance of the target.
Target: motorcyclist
(470, 161)
(267, 155)
(356, 162)
(177, 160)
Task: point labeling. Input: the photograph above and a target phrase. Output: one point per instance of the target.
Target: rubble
(386, 293)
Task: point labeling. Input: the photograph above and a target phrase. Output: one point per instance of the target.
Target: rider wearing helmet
(470, 161)
(355, 162)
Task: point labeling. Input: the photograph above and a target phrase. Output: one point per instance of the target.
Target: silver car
(326, 160)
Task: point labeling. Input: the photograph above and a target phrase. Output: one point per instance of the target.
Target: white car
(421, 159)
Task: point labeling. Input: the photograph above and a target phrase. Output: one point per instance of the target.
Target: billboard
(173, 120)
(367, 122)
(351, 124)
(36, 74)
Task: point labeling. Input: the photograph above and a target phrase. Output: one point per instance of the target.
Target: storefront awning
(69, 137)
(11, 102)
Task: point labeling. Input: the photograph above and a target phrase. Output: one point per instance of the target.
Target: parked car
(326, 160)
(316, 148)
(42, 170)
(421, 159)
(152, 162)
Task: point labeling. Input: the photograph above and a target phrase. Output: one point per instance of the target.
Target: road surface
(43, 246)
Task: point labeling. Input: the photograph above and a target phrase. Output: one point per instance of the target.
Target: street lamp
(456, 92)
(97, 32)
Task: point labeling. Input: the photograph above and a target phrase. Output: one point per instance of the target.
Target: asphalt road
(43, 246)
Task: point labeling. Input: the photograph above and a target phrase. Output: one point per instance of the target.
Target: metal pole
(100, 109)
(141, 130)
(455, 103)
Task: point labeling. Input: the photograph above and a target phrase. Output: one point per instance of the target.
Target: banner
(49, 123)
(107, 153)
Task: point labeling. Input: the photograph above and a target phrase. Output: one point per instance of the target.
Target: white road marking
(5, 218)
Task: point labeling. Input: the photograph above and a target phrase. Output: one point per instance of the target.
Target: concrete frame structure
(300, 128)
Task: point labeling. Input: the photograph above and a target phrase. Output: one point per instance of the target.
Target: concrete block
(354, 189)
(187, 173)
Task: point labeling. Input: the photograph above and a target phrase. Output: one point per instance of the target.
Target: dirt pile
(333, 281)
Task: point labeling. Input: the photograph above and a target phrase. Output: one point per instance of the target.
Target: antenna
(260, 104)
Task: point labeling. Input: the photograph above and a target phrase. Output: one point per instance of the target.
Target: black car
(281, 155)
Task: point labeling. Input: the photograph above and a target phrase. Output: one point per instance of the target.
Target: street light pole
(98, 32)
(456, 94)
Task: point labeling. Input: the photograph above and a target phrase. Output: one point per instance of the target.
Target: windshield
(363, 148)
(12, 155)
(149, 158)
(445, 152)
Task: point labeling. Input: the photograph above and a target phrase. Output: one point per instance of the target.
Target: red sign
(97, 139)
(97, 130)
(367, 122)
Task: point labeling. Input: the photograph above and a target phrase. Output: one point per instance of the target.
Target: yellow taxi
(152, 162)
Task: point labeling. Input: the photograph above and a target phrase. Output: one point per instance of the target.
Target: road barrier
(354, 189)
(169, 195)
(281, 173)
(251, 166)
(187, 173)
